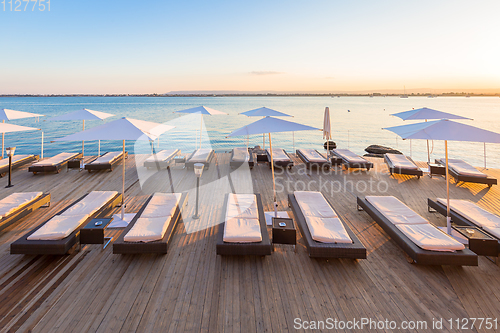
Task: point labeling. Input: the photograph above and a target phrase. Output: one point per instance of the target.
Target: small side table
(93, 232)
(336, 160)
(75, 163)
(436, 169)
(479, 242)
(284, 233)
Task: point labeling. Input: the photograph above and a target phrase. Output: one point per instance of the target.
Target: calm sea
(356, 129)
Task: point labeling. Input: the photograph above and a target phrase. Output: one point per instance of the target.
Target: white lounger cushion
(463, 168)
(240, 155)
(162, 156)
(107, 158)
(401, 161)
(5, 162)
(16, 201)
(312, 155)
(61, 226)
(395, 211)
(155, 219)
(242, 219)
(428, 237)
(278, 154)
(350, 156)
(200, 155)
(477, 215)
(322, 221)
(59, 158)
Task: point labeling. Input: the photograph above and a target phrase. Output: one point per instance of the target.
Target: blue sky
(160, 46)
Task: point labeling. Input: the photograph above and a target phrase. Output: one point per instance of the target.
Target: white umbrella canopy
(264, 112)
(121, 129)
(202, 110)
(8, 128)
(446, 130)
(7, 114)
(327, 130)
(271, 125)
(83, 114)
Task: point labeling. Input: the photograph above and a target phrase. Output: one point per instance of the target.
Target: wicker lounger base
(490, 181)
(43, 200)
(456, 217)
(262, 248)
(236, 164)
(280, 164)
(403, 171)
(420, 256)
(165, 164)
(325, 165)
(52, 168)
(190, 164)
(62, 246)
(160, 246)
(108, 166)
(356, 250)
(18, 164)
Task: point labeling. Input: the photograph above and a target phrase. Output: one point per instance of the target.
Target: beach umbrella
(6, 114)
(271, 125)
(327, 130)
(9, 128)
(265, 112)
(202, 110)
(83, 114)
(426, 114)
(121, 129)
(446, 130)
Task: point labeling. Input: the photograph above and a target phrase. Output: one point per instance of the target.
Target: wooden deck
(193, 289)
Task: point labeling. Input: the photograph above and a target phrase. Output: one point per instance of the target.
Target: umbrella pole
(485, 156)
(264, 141)
(428, 153)
(293, 137)
(123, 180)
(99, 148)
(201, 127)
(3, 138)
(448, 218)
(274, 182)
(42, 146)
(83, 144)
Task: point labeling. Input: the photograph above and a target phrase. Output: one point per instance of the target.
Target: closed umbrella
(83, 114)
(327, 130)
(121, 129)
(6, 114)
(446, 130)
(202, 110)
(265, 112)
(271, 125)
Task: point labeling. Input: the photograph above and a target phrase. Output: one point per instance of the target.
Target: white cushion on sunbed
(56, 159)
(350, 156)
(200, 155)
(5, 162)
(322, 221)
(162, 156)
(58, 227)
(428, 237)
(240, 155)
(16, 201)
(162, 204)
(477, 215)
(242, 219)
(278, 154)
(314, 204)
(91, 203)
(463, 168)
(395, 211)
(401, 161)
(312, 155)
(108, 158)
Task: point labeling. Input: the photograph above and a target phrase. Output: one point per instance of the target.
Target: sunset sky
(160, 46)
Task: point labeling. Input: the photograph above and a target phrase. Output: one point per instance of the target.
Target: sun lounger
(162, 159)
(351, 160)
(240, 156)
(402, 165)
(106, 161)
(311, 157)
(152, 227)
(244, 230)
(61, 232)
(203, 156)
(464, 172)
(280, 157)
(54, 163)
(17, 161)
(325, 234)
(467, 213)
(423, 242)
(18, 205)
